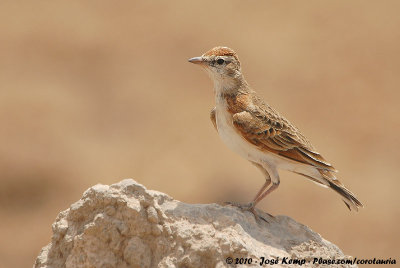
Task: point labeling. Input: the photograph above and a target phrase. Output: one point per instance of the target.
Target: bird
(250, 127)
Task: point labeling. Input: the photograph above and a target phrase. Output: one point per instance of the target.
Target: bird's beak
(197, 60)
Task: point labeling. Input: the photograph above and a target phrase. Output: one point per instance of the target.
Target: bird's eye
(220, 61)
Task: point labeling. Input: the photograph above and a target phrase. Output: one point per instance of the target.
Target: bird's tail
(348, 197)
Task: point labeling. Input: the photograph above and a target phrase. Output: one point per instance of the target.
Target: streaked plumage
(256, 131)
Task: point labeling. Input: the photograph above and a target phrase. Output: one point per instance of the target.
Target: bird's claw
(248, 207)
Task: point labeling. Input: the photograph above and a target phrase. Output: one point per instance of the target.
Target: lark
(257, 132)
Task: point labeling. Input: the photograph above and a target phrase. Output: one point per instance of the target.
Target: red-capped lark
(257, 132)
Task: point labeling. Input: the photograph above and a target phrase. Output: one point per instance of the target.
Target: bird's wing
(264, 127)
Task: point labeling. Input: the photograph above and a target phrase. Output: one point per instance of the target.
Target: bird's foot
(249, 207)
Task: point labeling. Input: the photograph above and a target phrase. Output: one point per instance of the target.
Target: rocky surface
(126, 225)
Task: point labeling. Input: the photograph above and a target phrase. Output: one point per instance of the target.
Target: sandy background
(94, 92)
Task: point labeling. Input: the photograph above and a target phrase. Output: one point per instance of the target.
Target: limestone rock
(126, 225)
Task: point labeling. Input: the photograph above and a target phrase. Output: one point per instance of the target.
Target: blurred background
(95, 92)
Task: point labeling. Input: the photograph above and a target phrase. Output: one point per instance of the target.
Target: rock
(126, 225)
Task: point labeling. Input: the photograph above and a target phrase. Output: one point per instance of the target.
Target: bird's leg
(251, 206)
(266, 184)
(270, 189)
(274, 176)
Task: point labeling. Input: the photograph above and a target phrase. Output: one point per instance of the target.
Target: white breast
(234, 140)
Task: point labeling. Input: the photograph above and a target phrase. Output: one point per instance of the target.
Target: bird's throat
(225, 85)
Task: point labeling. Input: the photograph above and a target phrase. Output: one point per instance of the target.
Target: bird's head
(222, 64)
